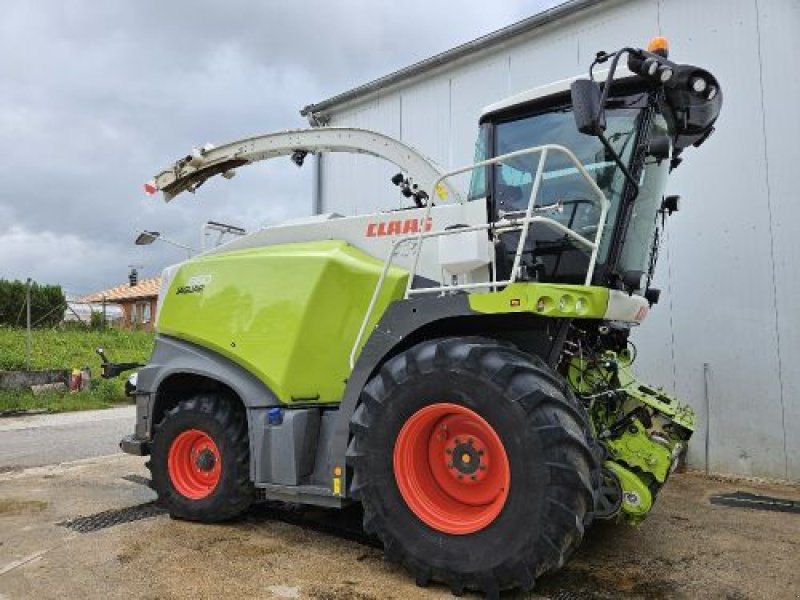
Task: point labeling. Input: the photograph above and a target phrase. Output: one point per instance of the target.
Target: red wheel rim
(194, 464)
(451, 468)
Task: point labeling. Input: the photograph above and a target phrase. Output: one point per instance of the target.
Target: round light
(711, 93)
(651, 67)
(698, 84)
(565, 303)
(666, 74)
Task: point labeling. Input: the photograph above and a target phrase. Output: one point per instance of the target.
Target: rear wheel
(472, 462)
(200, 459)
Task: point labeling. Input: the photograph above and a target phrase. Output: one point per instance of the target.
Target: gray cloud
(98, 96)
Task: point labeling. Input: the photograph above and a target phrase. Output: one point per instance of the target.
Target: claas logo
(397, 227)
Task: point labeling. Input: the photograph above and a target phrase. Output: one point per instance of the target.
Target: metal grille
(109, 518)
(757, 502)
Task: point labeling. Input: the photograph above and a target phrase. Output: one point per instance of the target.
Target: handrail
(534, 190)
(522, 224)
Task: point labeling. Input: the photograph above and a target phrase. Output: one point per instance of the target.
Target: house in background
(138, 302)
(78, 311)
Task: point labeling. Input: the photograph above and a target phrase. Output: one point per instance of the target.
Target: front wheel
(473, 464)
(200, 459)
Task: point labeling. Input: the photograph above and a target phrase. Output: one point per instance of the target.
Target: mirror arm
(617, 159)
(612, 69)
(609, 79)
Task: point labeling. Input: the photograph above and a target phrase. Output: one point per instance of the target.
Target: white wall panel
(630, 23)
(358, 184)
(723, 296)
(471, 88)
(426, 118)
(779, 24)
(730, 280)
(548, 58)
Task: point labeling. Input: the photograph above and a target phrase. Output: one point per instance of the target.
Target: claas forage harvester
(460, 366)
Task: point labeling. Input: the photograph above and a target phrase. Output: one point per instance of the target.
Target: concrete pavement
(47, 439)
(689, 548)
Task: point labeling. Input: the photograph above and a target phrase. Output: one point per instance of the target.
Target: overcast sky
(96, 97)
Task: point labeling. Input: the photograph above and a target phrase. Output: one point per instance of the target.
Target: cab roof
(551, 89)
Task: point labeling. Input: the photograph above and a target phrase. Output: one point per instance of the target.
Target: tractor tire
(200, 460)
(473, 463)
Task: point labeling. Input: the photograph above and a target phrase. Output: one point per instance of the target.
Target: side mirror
(587, 106)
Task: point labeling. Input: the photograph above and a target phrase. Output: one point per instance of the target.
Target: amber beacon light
(659, 45)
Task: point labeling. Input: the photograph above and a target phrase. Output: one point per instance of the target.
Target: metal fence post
(28, 340)
(706, 393)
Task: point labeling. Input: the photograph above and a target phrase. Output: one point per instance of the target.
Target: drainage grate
(137, 479)
(109, 518)
(754, 501)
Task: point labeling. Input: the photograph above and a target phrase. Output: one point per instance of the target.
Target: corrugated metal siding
(779, 23)
(730, 283)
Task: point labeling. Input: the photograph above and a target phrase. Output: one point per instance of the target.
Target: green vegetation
(68, 349)
(47, 304)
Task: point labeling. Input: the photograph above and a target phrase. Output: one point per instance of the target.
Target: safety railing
(503, 224)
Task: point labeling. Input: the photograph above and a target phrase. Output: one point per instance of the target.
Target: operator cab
(640, 127)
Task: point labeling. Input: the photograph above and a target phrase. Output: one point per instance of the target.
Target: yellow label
(337, 486)
(441, 191)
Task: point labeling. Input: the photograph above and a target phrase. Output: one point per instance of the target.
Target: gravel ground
(687, 549)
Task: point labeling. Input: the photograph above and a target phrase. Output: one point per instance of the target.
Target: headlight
(698, 85)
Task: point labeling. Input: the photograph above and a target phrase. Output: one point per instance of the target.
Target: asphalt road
(49, 439)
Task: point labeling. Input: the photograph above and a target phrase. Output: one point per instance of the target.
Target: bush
(47, 304)
(96, 321)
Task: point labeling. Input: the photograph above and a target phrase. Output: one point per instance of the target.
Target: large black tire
(224, 422)
(544, 431)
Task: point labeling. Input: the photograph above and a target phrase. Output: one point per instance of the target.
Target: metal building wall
(726, 335)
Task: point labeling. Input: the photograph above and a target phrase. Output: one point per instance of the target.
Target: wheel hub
(466, 459)
(194, 464)
(205, 460)
(451, 468)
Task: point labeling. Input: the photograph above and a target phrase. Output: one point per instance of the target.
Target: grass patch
(68, 349)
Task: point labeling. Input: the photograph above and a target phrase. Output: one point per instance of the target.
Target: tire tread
(553, 413)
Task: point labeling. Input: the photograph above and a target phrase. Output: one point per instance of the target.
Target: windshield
(640, 238)
(555, 256)
(561, 181)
